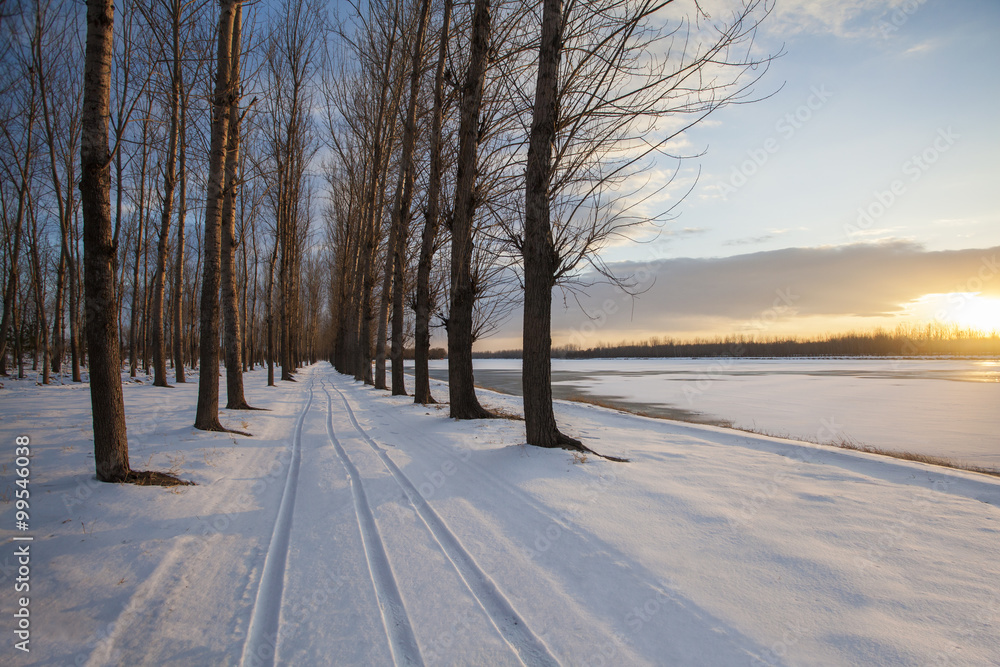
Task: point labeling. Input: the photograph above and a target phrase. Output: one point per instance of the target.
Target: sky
(864, 192)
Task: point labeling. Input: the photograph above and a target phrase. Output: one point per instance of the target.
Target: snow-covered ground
(939, 407)
(355, 528)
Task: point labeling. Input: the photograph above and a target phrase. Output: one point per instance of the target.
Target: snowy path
(356, 528)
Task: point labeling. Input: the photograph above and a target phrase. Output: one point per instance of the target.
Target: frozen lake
(928, 406)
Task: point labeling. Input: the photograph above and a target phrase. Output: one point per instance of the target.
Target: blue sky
(888, 85)
(882, 142)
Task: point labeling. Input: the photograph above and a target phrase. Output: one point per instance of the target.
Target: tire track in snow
(498, 482)
(261, 643)
(394, 618)
(529, 648)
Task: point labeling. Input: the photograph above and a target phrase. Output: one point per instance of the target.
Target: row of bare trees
(521, 132)
(203, 244)
(212, 138)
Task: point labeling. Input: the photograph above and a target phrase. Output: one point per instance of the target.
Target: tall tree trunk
(230, 307)
(61, 204)
(10, 297)
(74, 296)
(17, 329)
(269, 314)
(207, 415)
(110, 440)
(461, 383)
(383, 306)
(178, 314)
(169, 178)
(58, 311)
(422, 329)
(401, 209)
(134, 324)
(540, 257)
(10, 293)
(37, 279)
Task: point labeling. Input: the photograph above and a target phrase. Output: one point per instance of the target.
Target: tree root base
(148, 478)
(563, 441)
(244, 406)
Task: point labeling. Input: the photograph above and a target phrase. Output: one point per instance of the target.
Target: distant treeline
(932, 340)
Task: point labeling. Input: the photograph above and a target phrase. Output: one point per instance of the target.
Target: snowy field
(938, 407)
(355, 528)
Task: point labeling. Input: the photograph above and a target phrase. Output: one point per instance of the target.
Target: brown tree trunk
(10, 293)
(540, 257)
(134, 331)
(74, 306)
(37, 279)
(58, 312)
(401, 211)
(235, 399)
(422, 329)
(178, 314)
(269, 314)
(169, 179)
(461, 384)
(10, 297)
(207, 416)
(110, 440)
(383, 306)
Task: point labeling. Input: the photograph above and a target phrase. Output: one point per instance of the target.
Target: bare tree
(593, 125)
(461, 384)
(422, 307)
(107, 402)
(235, 399)
(178, 277)
(291, 64)
(224, 96)
(167, 197)
(19, 151)
(399, 225)
(60, 114)
(38, 282)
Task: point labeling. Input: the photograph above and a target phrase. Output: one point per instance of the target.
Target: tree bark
(422, 330)
(461, 383)
(269, 314)
(540, 257)
(235, 400)
(110, 440)
(383, 304)
(178, 314)
(137, 308)
(207, 415)
(10, 297)
(169, 180)
(401, 208)
(37, 279)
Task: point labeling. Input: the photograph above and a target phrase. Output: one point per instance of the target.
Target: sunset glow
(967, 310)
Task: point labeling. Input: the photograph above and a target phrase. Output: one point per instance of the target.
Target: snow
(358, 528)
(937, 407)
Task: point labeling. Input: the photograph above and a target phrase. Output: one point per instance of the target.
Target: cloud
(859, 280)
(750, 240)
(842, 18)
